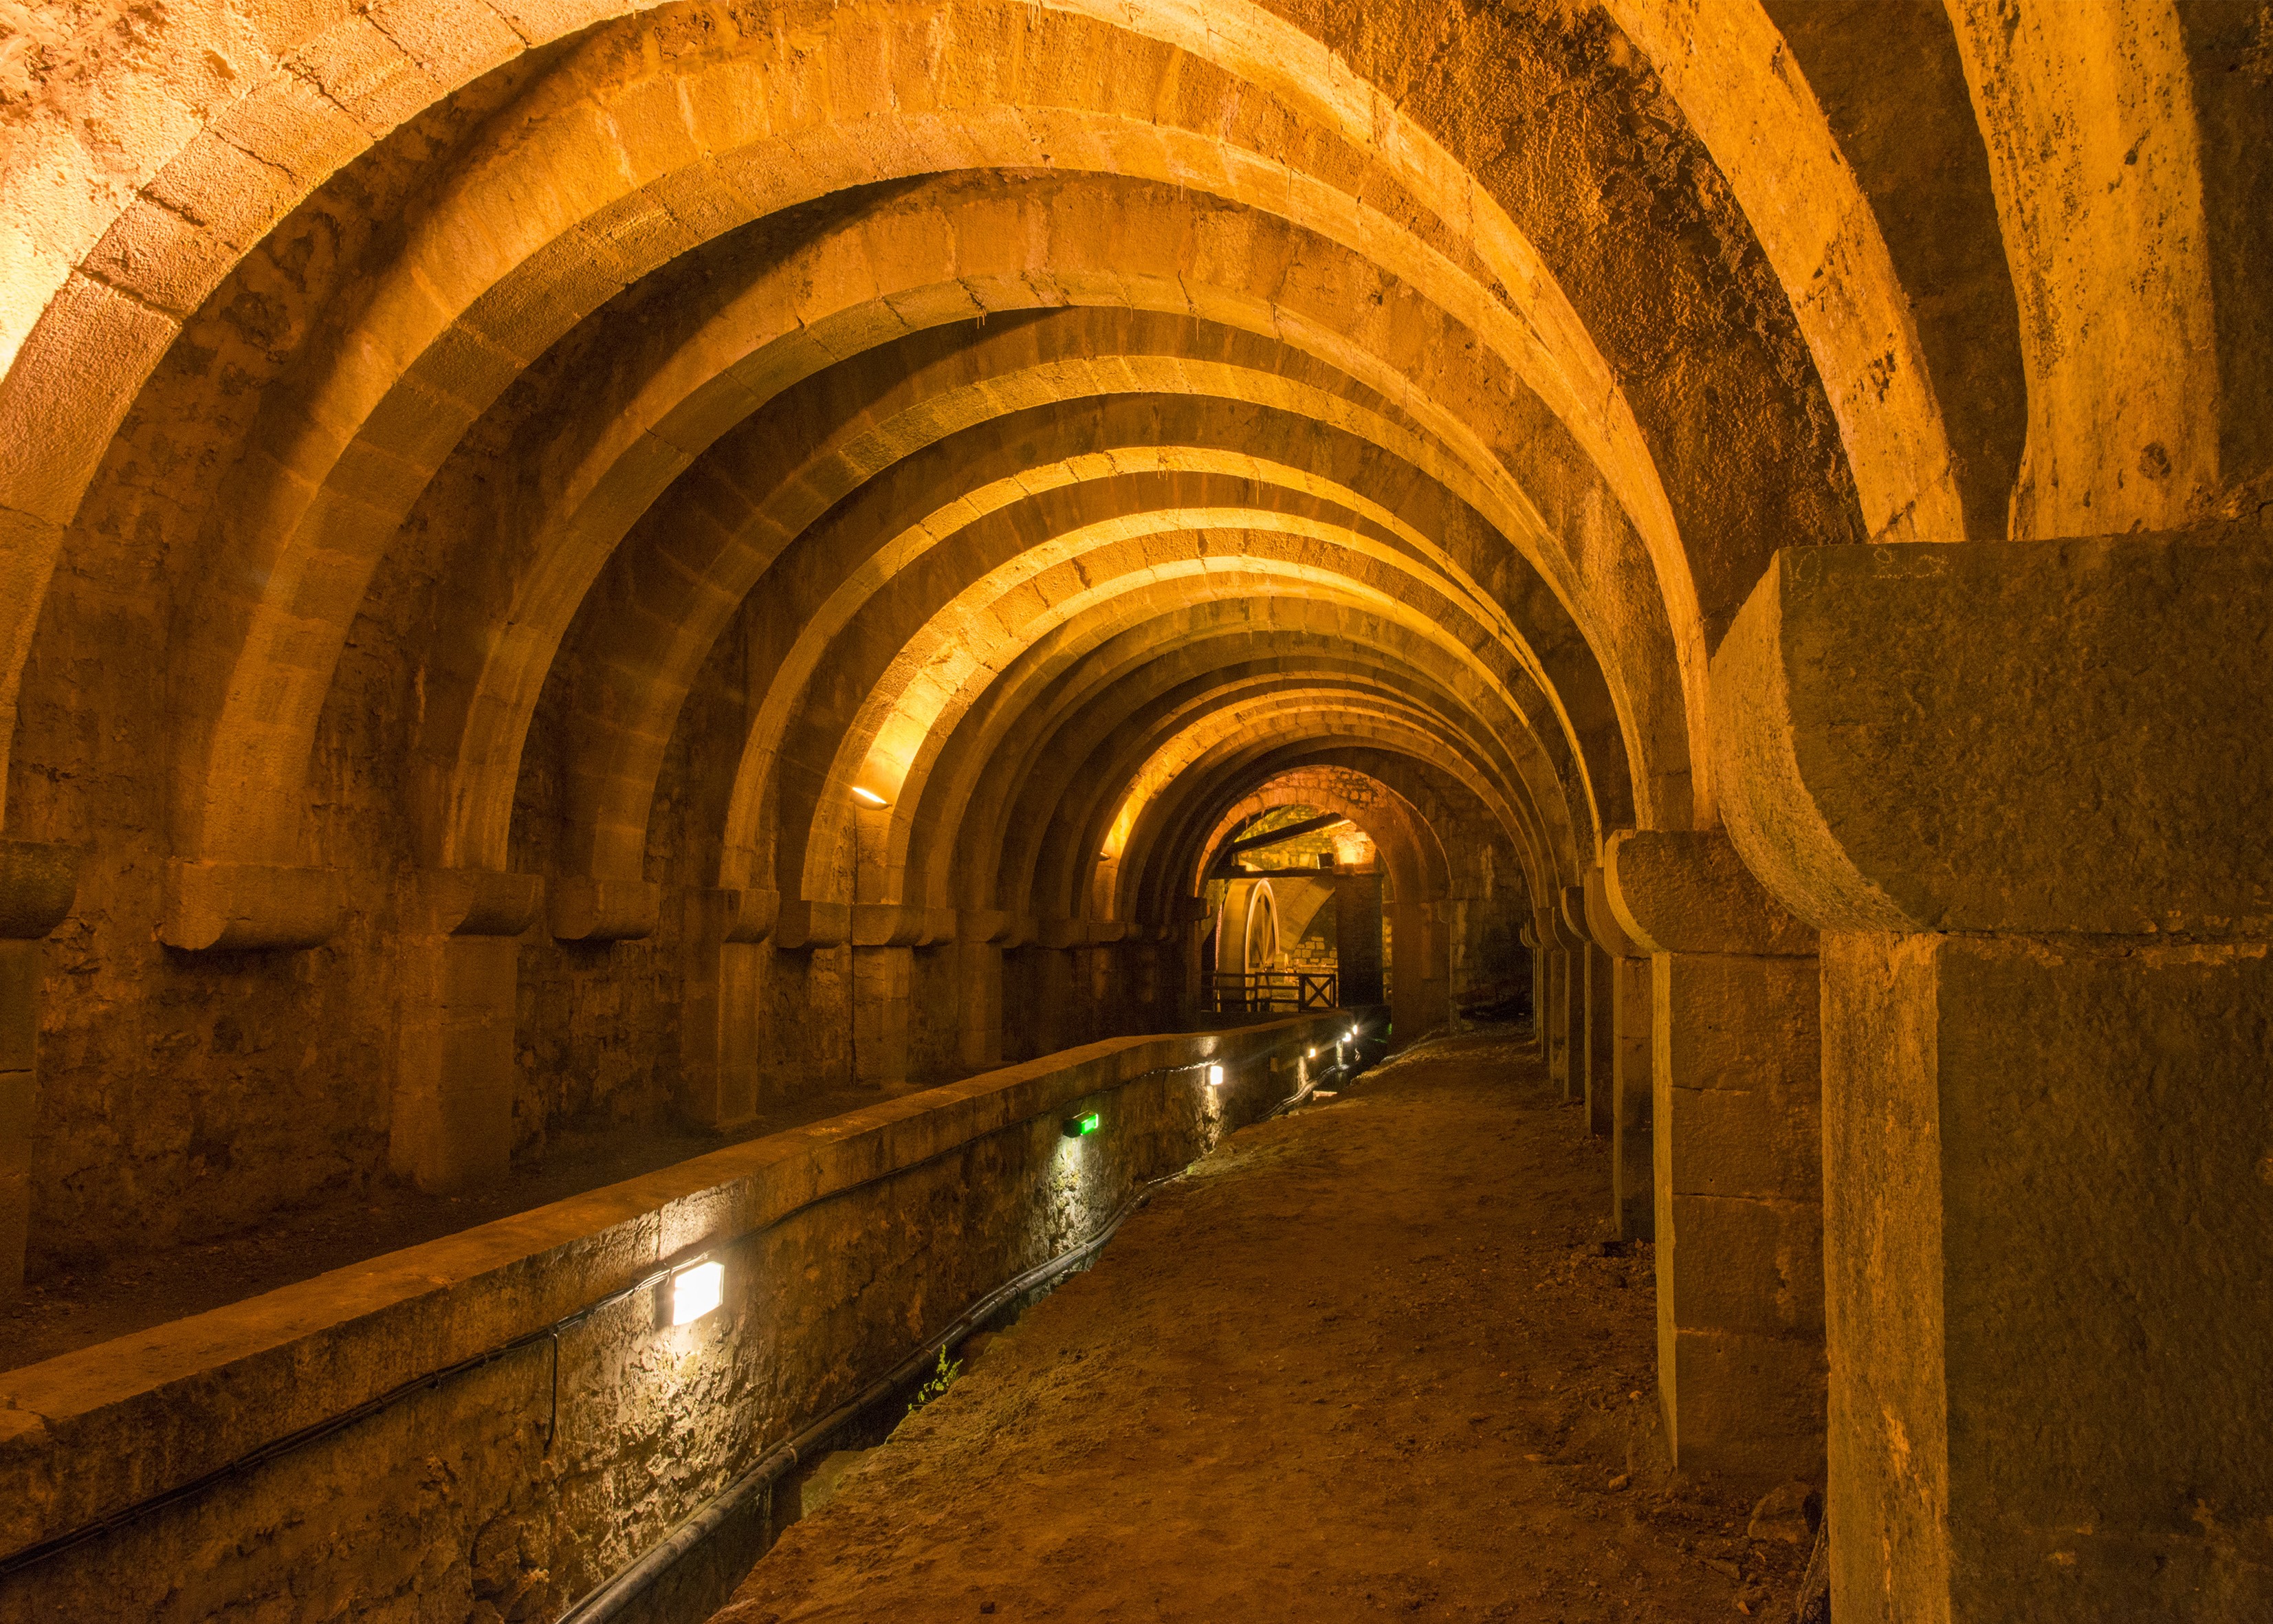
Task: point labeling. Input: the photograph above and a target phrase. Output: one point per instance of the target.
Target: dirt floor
(64, 1311)
(1371, 1360)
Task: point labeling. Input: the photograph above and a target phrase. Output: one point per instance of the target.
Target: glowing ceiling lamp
(868, 797)
(695, 1291)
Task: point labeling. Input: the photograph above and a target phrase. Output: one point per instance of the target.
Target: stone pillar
(804, 982)
(978, 1004)
(885, 937)
(1601, 1040)
(1632, 1096)
(882, 985)
(1418, 985)
(459, 954)
(1597, 1055)
(37, 884)
(1528, 934)
(719, 1000)
(1567, 1058)
(1192, 935)
(1101, 971)
(1357, 935)
(1438, 919)
(2021, 787)
(1735, 1067)
(1554, 1005)
(1051, 970)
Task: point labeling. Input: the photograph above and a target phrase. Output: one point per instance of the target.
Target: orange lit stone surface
(1755, 511)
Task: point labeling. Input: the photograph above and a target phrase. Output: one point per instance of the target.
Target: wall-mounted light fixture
(1215, 1077)
(868, 797)
(695, 1291)
(1077, 1127)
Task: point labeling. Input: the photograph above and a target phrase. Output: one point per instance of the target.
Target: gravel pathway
(1368, 1361)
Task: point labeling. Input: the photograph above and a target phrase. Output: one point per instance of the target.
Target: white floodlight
(1215, 1077)
(695, 1291)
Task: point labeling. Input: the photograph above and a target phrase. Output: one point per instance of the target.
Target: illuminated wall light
(1081, 1126)
(868, 797)
(1215, 1077)
(695, 1291)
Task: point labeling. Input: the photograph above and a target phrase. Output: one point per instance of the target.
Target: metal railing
(1265, 992)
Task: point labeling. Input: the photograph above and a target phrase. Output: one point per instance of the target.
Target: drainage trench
(977, 1147)
(688, 1573)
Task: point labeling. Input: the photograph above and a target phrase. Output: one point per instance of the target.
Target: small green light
(1075, 1126)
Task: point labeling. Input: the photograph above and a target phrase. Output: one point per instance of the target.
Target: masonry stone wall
(844, 1245)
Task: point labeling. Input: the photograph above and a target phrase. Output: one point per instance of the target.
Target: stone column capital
(586, 908)
(1570, 920)
(1602, 924)
(982, 925)
(37, 884)
(473, 902)
(1688, 892)
(2033, 737)
(233, 905)
(886, 924)
(801, 924)
(731, 913)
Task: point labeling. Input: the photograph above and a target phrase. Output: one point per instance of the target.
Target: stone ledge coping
(92, 1432)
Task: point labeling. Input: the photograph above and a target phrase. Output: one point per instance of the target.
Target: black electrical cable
(16, 1561)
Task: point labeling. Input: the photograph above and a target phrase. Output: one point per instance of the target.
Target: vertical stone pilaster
(719, 1005)
(978, 1004)
(2046, 1249)
(38, 884)
(1419, 986)
(1736, 1143)
(1633, 1169)
(1357, 933)
(1554, 1009)
(1049, 972)
(1528, 934)
(1633, 1066)
(1567, 1056)
(1739, 1215)
(450, 1126)
(1597, 1052)
(882, 987)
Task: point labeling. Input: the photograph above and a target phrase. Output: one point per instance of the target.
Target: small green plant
(940, 1382)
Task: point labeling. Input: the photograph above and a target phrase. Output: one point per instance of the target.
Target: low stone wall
(484, 1495)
